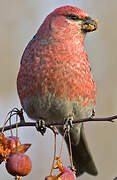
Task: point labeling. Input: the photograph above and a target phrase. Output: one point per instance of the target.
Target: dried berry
(4, 150)
(15, 146)
(13, 142)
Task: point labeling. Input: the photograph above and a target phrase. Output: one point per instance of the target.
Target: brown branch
(13, 126)
(90, 119)
(22, 122)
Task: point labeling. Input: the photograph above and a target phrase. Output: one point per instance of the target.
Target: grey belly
(52, 109)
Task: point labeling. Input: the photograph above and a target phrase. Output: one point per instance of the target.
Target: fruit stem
(54, 154)
(70, 147)
(5, 122)
(61, 149)
(17, 177)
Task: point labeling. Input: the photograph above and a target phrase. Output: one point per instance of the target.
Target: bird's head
(68, 20)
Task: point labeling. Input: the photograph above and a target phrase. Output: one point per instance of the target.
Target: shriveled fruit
(51, 178)
(15, 146)
(13, 142)
(68, 174)
(18, 164)
(4, 150)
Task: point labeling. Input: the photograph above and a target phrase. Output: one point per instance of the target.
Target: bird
(55, 82)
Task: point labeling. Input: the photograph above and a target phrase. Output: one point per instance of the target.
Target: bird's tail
(82, 158)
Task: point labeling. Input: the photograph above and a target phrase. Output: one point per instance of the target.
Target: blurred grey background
(19, 21)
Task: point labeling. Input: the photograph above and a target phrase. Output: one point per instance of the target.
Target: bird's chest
(57, 87)
(60, 70)
(67, 77)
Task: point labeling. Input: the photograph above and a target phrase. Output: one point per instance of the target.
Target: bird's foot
(68, 123)
(93, 114)
(40, 126)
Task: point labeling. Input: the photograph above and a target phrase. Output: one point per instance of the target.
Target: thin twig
(90, 119)
(13, 126)
(22, 122)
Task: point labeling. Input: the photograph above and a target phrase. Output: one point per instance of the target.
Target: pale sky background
(19, 21)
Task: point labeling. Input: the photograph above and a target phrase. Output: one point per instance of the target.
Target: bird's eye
(73, 17)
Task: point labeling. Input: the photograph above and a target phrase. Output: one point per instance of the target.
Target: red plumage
(54, 80)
